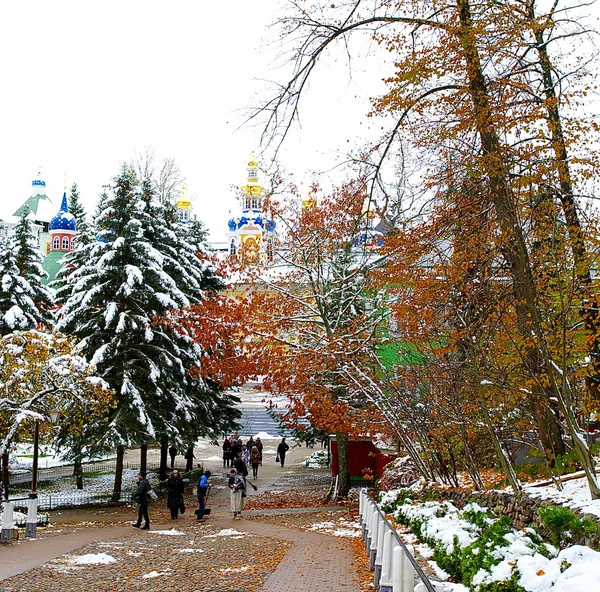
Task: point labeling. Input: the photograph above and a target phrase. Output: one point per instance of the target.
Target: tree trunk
(343, 471)
(589, 303)
(513, 245)
(501, 452)
(189, 459)
(144, 457)
(164, 452)
(4, 476)
(116, 496)
(78, 472)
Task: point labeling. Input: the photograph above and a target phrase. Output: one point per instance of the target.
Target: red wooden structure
(365, 460)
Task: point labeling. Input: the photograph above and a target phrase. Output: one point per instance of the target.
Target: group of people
(235, 454)
(250, 453)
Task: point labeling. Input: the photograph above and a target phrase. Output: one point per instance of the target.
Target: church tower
(251, 234)
(63, 228)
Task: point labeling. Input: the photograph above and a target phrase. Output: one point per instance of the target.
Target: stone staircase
(257, 419)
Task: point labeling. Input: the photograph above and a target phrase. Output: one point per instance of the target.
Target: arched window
(56, 242)
(270, 249)
(73, 243)
(65, 243)
(255, 203)
(233, 247)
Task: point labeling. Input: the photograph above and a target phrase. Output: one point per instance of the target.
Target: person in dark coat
(175, 494)
(189, 458)
(240, 466)
(282, 451)
(255, 461)
(143, 487)
(226, 453)
(172, 454)
(203, 487)
(236, 448)
(250, 443)
(259, 445)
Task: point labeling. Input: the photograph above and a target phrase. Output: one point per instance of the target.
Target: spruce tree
(119, 295)
(76, 208)
(18, 310)
(28, 259)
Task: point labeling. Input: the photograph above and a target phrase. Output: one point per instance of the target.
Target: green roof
(51, 265)
(31, 205)
(397, 353)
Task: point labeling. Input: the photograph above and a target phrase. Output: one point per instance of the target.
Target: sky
(87, 84)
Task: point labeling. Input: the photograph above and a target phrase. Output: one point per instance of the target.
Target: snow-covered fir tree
(130, 279)
(28, 259)
(84, 233)
(18, 309)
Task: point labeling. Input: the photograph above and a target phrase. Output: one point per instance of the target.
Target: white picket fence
(393, 562)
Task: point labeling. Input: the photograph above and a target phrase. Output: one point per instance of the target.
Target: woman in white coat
(237, 493)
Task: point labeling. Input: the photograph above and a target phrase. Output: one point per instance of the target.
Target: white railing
(392, 561)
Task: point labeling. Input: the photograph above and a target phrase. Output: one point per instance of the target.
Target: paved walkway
(315, 562)
(17, 559)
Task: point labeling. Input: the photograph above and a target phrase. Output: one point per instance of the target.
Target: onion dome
(64, 220)
(368, 236)
(249, 219)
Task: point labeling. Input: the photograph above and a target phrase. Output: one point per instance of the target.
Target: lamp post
(36, 440)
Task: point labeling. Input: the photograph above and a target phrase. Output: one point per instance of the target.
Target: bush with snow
(490, 555)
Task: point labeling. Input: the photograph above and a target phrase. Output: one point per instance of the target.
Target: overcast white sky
(86, 84)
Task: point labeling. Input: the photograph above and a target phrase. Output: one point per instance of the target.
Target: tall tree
(457, 91)
(314, 313)
(18, 298)
(119, 295)
(28, 259)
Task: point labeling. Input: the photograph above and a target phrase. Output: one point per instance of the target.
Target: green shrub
(564, 526)
(478, 555)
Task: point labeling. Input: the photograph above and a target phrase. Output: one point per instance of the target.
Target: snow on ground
(225, 532)
(91, 485)
(266, 436)
(341, 528)
(574, 569)
(211, 458)
(236, 569)
(575, 495)
(156, 574)
(90, 559)
(171, 532)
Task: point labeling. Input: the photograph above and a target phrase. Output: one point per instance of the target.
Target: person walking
(259, 445)
(226, 452)
(143, 487)
(282, 451)
(172, 454)
(203, 487)
(240, 466)
(237, 493)
(250, 443)
(246, 454)
(175, 489)
(255, 461)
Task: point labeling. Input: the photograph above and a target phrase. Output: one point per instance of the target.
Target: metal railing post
(389, 544)
(383, 529)
(31, 524)
(8, 523)
(377, 525)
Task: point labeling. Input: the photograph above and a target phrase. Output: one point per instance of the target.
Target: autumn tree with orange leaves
(475, 87)
(314, 314)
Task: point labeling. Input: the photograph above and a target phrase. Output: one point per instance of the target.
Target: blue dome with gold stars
(64, 220)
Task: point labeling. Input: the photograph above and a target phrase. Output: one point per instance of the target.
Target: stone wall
(520, 508)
